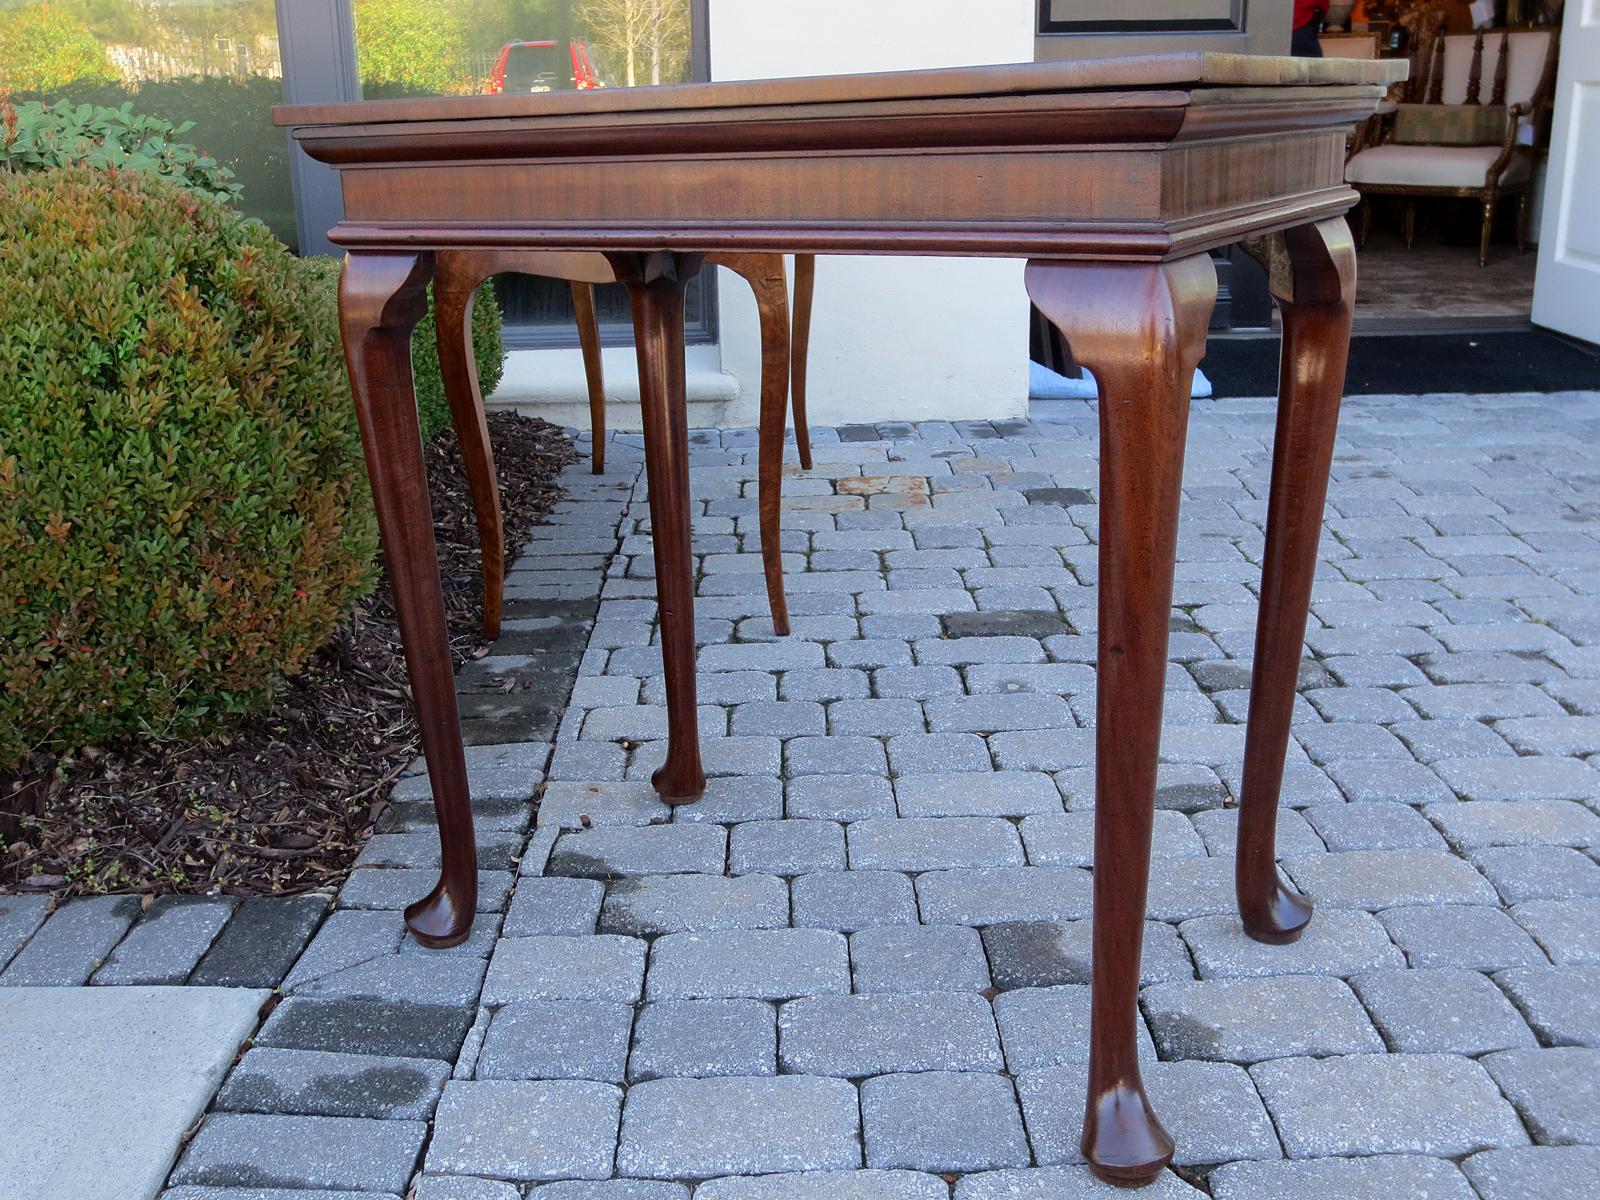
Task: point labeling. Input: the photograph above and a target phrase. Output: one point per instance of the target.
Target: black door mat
(1414, 364)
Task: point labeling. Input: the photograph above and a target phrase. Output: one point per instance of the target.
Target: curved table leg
(594, 372)
(1312, 272)
(382, 295)
(1141, 329)
(764, 273)
(658, 330)
(454, 287)
(805, 278)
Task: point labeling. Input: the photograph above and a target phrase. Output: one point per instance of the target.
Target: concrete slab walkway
(98, 1086)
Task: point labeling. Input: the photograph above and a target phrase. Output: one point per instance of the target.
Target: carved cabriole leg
(1487, 229)
(381, 298)
(593, 371)
(764, 273)
(655, 284)
(1141, 328)
(455, 283)
(1312, 273)
(805, 278)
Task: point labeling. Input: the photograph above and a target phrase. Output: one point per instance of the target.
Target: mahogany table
(1113, 177)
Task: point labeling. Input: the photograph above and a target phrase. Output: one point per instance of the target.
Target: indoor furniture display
(1114, 178)
(784, 350)
(1475, 134)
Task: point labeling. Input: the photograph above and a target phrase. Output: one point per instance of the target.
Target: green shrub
(44, 46)
(184, 516)
(39, 138)
(433, 411)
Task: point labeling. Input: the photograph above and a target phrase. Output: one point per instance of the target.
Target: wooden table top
(1150, 157)
(1185, 71)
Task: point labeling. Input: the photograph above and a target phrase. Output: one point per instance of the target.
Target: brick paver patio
(857, 968)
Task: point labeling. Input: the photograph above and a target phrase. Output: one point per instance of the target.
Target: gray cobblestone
(981, 794)
(1241, 1020)
(598, 967)
(1375, 826)
(764, 964)
(1042, 953)
(1385, 1178)
(918, 958)
(255, 1150)
(1520, 778)
(852, 900)
(1567, 930)
(1376, 879)
(942, 1121)
(1447, 1011)
(933, 843)
(524, 1130)
(1521, 873)
(704, 1038)
(1335, 943)
(557, 1039)
(986, 896)
(553, 904)
(787, 847)
(1561, 1003)
(1475, 937)
(1548, 1172)
(694, 1128)
(871, 1035)
(1386, 1104)
(834, 756)
(1049, 1026)
(1063, 1183)
(1475, 825)
(72, 943)
(1555, 1090)
(653, 904)
(167, 943)
(319, 1083)
(611, 853)
(827, 1185)
(19, 917)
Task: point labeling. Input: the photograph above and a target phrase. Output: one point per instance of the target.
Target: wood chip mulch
(281, 802)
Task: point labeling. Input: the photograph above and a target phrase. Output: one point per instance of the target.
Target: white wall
(891, 338)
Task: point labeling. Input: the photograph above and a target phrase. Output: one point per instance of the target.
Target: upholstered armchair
(1456, 144)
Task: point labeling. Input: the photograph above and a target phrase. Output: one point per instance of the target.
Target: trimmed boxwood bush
(433, 411)
(184, 515)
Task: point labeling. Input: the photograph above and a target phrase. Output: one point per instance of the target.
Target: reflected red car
(543, 66)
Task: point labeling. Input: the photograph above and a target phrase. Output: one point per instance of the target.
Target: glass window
(213, 62)
(510, 47)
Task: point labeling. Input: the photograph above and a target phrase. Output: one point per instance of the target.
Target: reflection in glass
(526, 47)
(213, 62)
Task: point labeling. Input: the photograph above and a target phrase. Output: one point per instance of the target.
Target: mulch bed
(281, 802)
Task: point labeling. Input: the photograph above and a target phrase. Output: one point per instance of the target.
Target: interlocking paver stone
(72, 943)
(827, 1185)
(1377, 879)
(19, 917)
(695, 1128)
(854, 1036)
(764, 964)
(1522, 873)
(1568, 930)
(1387, 1178)
(1458, 935)
(942, 1121)
(1373, 826)
(1520, 778)
(552, 904)
(165, 945)
(1557, 1091)
(1386, 1104)
(918, 958)
(1064, 1183)
(512, 1129)
(1548, 1172)
(1474, 825)
(839, 797)
(1450, 1010)
(653, 904)
(1211, 1110)
(1049, 1026)
(852, 900)
(393, 1028)
(1338, 943)
(1042, 953)
(258, 1150)
(933, 843)
(787, 847)
(1243, 1020)
(551, 967)
(976, 794)
(611, 853)
(1561, 1003)
(557, 1039)
(322, 1083)
(987, 896)
(703, 1038)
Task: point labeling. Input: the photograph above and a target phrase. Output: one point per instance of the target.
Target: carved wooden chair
(1453, 144)
(458, 275)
